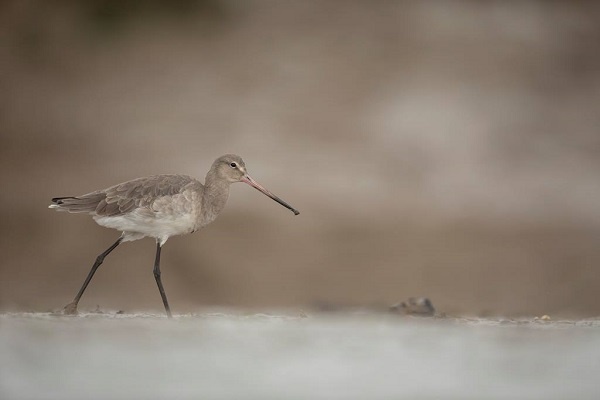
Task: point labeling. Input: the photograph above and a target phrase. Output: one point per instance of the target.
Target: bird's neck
(216, 193)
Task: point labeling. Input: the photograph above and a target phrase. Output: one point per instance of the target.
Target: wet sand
(228, 355)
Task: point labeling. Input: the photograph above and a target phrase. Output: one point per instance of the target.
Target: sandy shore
(295, 356)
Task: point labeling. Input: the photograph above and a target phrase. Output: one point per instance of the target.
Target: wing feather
(125, 197)
(143, 192)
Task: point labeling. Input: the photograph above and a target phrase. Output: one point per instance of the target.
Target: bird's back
(121, 199)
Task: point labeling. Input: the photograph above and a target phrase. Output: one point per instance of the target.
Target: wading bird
(159, 206)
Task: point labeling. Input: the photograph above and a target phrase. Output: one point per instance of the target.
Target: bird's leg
(71, 308)
(159, 282)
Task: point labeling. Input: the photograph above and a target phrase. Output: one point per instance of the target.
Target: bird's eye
(233, 165)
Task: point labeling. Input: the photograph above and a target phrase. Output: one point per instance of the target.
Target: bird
(159, 206)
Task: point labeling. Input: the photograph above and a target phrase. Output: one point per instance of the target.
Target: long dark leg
(159, 282)
(71, 308)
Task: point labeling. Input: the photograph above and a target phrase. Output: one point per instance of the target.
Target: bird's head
(231, 168)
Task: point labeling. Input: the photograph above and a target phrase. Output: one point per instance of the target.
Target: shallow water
(322, 356)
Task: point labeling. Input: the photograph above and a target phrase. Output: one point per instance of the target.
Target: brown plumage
(125, 197)
(160, 206)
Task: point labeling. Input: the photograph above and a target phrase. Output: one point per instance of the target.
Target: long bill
(247, 179)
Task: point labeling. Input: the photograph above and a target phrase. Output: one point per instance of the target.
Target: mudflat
(289, 355)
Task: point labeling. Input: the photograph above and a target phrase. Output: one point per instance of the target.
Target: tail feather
(82, 204)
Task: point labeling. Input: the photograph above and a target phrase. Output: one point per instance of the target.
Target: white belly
(136, 225)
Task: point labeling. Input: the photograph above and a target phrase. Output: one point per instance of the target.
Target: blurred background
(440, 149)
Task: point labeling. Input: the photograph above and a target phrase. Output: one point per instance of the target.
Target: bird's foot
(70, 309)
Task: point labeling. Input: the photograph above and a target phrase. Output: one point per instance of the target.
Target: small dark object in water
(419, 306)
